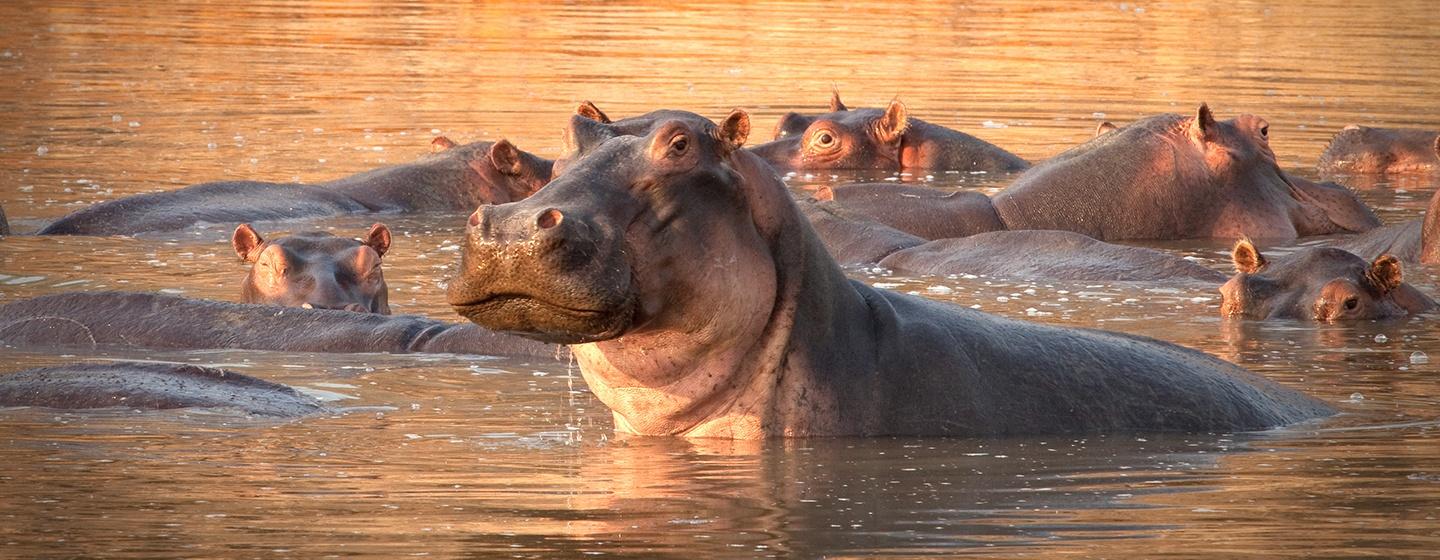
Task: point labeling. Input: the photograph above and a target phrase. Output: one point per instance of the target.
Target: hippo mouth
(546, 321)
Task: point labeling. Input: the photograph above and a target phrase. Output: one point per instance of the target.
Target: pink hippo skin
(1363, 149)
(699, 303)
(1318, 283)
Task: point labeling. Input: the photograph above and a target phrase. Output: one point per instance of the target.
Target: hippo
(165, 322)
(1414, 241)
(698, 302)
(4, 223)
(852, 239)
(920, 211)
(1394, 151)
(453, 178)
(152, 386)
(315, 269)
(1047, 255)
(1324, 284)
(886, 139)
(1176, 177)
(590, 127)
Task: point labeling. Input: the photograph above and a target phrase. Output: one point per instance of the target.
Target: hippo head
(589, 127)
(1363, 149)
(623, 241)
(315, 269)
(794, 124)
(1324, 284)
(843, 139)
(496, 172)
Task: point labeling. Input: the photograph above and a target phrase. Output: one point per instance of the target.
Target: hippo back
(151, 386)
(1048, 255)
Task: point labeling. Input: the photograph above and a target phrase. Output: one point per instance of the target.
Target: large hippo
(152, 386)
(1364, 149)
(698, 302)
(165, 322)
(453, 178)
(1176, 177)
(920, 211)
(315, 269)
(1416, 241)
(1320, 283)
(887, 139)
(1047, 255)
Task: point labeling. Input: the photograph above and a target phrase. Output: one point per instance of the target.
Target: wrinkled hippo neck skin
(1150, 180)
(929, 146)
(152, 386)
(157, 321)
(839, 358)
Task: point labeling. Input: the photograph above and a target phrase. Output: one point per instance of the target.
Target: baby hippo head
(1323, 283)
(315, 270)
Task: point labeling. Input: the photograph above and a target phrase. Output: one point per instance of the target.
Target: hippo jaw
(534, 318)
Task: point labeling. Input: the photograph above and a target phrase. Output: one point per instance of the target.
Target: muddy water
(447, 456)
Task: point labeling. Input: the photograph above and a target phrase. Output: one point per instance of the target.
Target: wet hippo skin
(1364, 149)
(144, 320)
(1415, 241)
(1318, 283)
(453, 178)
(1047, 255)
(315, 269)
(698, 302)
(152, 386)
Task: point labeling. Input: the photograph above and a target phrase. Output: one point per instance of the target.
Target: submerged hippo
(920, 211)
(886, 139)
(453, 178)
(1416, 241)
(1321, 283)
(162, 322)
(1177, 177)
(1363, 149)
(315, 269)
(698, 302)
(152, 386)
(1047, 255)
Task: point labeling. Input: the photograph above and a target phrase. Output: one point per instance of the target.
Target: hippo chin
(887, 139)
(698, 302)
(1394, 151)
(315, 269)
(1319, 283)
(152, 386)
(130, 320)
(1178, 177)
(453, 178)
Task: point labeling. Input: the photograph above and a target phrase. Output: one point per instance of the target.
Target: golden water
(464, 457)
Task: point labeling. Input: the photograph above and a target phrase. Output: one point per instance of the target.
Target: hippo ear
(734, 130)
(1204, 122)
(440, 144)
(247, 242)
(823, 194)
(1384, 274)
(891, 126)
(1105, 126)
(585, 133)
(590, 111)
(378, 238)
(835, 103)
(1246, 257)
(505, 157)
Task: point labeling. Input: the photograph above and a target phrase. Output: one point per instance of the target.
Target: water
(447, 456)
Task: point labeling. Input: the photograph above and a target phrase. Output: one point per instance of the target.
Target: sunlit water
(449, 456)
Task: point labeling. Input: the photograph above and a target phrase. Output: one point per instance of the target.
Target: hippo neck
(1430, 232)
(746, 389)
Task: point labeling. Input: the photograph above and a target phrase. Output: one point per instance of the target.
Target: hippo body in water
(1364, 149)
(315, 269)
(454, 178)
(698, 302)
(1047, 255)
(1320, 283)
(164, 322)
(885, 139)
(152, 386)
(920, 211)
(1415, 241)
(1176, 177)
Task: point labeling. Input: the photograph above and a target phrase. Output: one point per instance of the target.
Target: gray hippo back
(152, 386)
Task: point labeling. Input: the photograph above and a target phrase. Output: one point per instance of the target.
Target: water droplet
(1418, 357)
(1381, 338)
(1356, 397)
(42, 150)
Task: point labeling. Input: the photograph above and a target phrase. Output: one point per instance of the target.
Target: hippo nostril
(549, 218)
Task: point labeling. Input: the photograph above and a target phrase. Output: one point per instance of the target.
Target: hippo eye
(1265, 132)
(678, 145)
(824, 139)
(1351, 303)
